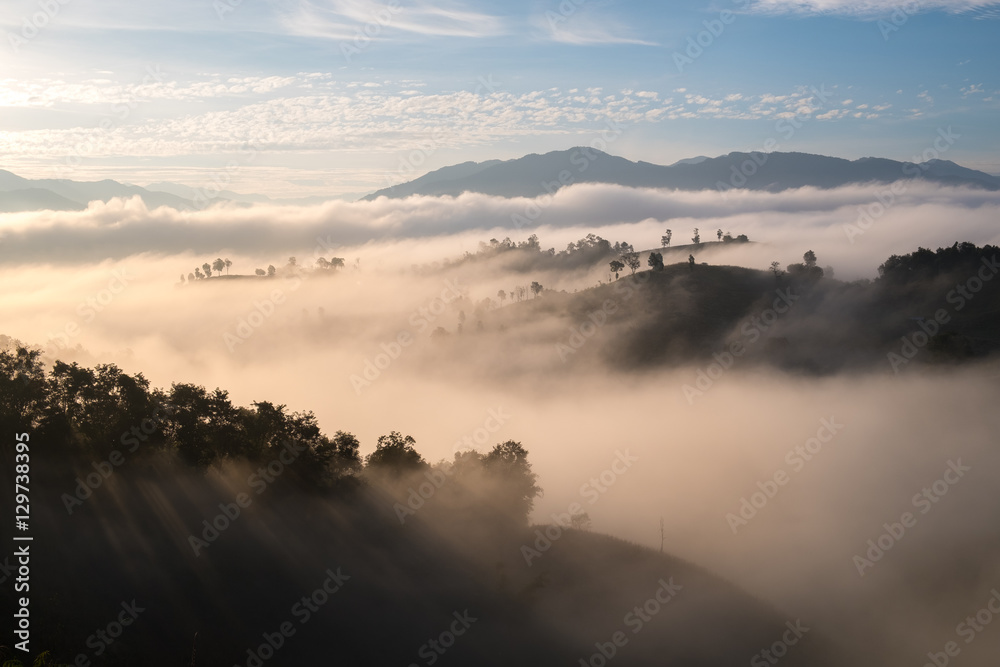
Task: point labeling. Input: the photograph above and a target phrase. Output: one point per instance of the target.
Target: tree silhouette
(219, 264)
(809, 258)
(776, 269)
(337, 262)
(617, 266)
(536, 288)
(718, 234)
(208, 269)
(395, 454)
(508, 464)
(665, 239)
(630, 257)
(502, 296)
(271, 270)
(190, 277)
(655, 261)
(198, 274)
(228, 264)
(690, 261)
(697, 237)
(260, 272)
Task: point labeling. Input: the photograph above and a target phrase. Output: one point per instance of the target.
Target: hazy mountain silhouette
(22, 194)
(534, 175)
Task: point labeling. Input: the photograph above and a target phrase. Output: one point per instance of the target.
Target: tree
(292, 262)
(190, 277)
(718, 234)
(536, 288)
(776, 269)
(394, 453)
(697, 237)
(631, 259)
(219, 264)
(809, 258)
(690, 261)
(208, 269)
(617, 266)
(182, 279)
(508, 464)
(198, 274)
(322, 263)
(228, 264)
(665, 239)
(271, 270)
(336, 262)
(260, 272)
(502, 296)
(655, 261)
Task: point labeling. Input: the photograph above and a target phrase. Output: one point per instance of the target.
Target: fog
(88, 287)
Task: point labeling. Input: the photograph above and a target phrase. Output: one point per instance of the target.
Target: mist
(385, 344)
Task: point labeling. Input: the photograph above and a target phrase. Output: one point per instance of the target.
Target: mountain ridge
(537, 174)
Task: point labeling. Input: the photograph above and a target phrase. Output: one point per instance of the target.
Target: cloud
(867, 8)
(124, 228)
(369, 20)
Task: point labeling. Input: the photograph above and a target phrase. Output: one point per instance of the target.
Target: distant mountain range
(531, 176)
(535, 175)
(22, 194)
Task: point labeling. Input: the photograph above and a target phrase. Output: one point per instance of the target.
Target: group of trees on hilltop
(89, 413)
(924, 262)
(723, 237)
(219, 265)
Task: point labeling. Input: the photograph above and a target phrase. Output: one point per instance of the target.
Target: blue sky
(283, 97)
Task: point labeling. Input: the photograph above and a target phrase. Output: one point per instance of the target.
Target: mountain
(22, 194)
(534, 175)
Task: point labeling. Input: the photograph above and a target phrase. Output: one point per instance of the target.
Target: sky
(295, 98)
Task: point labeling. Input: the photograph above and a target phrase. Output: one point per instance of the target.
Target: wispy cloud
(367, 19)
(869, 8)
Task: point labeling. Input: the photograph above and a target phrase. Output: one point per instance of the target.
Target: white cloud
(868, 8)
(369, 20)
